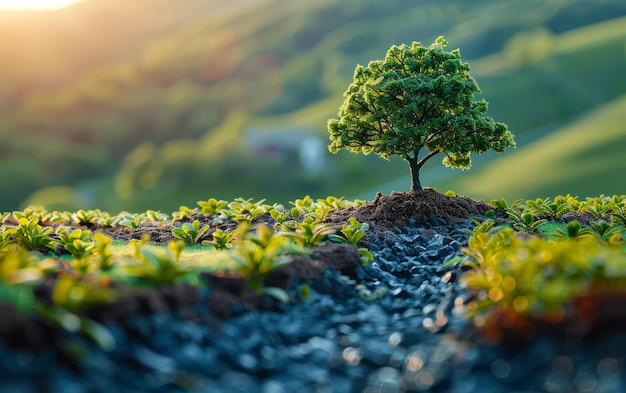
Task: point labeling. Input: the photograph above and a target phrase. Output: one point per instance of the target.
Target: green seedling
(354, 230)
(618, 219)
(86, 217)
(131, 220)
(281, 216)
(605, 231)
(184, 212)
(221, 240)
(102, 252)
(573, 230)
(156, 216)
(32, 235)
(525, 221)
(332, 202)
(308, 233)
(244, 210)
(20, 268)
(32, 211)
(212, 206)
(77, 242)
(157, 268)
(190, 233)
(259, 253)
(75, 294)
(502, 204)
(106, 220)
(6, 238)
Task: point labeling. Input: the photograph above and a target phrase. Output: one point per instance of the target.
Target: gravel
(393, 327)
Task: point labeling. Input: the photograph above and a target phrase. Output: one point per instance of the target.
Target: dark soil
(228, 294)
(406, 208)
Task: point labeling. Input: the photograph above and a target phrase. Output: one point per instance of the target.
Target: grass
(582, 156)
(196, 255)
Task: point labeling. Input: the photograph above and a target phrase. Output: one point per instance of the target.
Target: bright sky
(36, 4)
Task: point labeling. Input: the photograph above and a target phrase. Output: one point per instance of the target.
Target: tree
(417, 98)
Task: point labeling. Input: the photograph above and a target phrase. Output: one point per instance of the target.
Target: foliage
(78, 242)
(502, 204)
(131, 220)
(259, 253)
(86, 217)
(221, 240)
(190, 233)
(417, 98)
(184, 212)
(538, 275)
(244, 210)
(31, 234)
(156, 268)
(573, 230)
(212, 206)
(525, 221)
(308, 233)
(76, 294)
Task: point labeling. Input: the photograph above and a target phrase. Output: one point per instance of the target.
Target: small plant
(102, 251)
(75, 294)
(281, 216)
(573, 230)
(86, 217)
(332, 202)
(190, 233)
(308, 233)
(156, 216)
(131, 220)
(244, 210)
(259, 253)
(20, 267)
(221, 240)
(77, 242)
(354, 230)
(106, 220)
(32, 235)
(302, 206)
(525, 221)
(212, 206)
(605, 231)
(502, 204)
(184, 212)
(157, 268)
(417, 98)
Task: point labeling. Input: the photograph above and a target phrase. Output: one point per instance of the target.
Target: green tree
(417, 98)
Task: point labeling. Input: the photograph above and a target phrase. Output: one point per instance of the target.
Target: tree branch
(428, 156)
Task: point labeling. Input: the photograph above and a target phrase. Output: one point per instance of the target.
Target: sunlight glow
(36, 4)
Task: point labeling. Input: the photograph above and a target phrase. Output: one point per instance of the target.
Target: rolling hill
(144, 96)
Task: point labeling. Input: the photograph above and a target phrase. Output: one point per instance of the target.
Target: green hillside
(166, 116)
(581, 157)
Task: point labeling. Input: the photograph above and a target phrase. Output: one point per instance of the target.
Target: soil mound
(401, 208)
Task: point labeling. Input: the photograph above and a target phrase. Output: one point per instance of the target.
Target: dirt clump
(403, 208)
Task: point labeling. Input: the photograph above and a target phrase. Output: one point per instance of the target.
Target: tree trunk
(415, 174)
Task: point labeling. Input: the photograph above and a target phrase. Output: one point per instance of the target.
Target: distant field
(585, 158)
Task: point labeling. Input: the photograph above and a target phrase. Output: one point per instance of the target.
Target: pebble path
(395, 327)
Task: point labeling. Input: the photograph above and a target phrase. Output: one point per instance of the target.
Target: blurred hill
(151, 104)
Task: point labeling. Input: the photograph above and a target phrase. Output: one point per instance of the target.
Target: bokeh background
(154, 104)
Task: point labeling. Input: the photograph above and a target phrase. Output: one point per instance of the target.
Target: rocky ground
(394, 325)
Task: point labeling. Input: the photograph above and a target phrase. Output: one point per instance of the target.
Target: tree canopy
(417, 98)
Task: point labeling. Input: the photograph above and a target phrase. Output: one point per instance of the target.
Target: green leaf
(277, 293)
